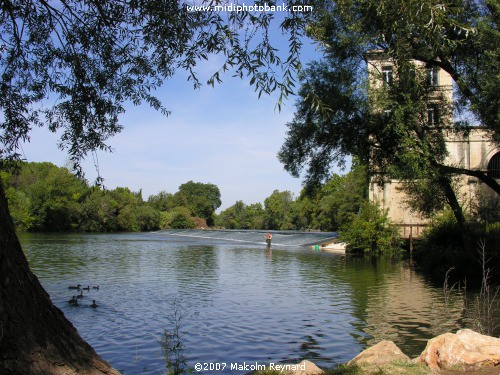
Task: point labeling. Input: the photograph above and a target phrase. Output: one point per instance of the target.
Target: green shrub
(178, 218)
(445, 245)
(371, 231)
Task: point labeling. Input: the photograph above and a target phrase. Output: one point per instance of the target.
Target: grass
(394, 368)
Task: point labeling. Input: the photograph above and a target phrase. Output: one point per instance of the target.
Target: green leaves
(43, 197)
(371, 231)
(201, 199)
(72, 67)
(241, 216)
(331, 120)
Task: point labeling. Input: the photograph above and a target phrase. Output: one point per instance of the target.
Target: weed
(172, 344)
(480, 312)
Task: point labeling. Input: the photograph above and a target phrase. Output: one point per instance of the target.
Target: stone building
(474, 150)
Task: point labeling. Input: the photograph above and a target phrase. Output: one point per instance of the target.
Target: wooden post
(411, 242)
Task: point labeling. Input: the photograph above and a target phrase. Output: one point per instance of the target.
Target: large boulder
(465, 350)
(380, 354)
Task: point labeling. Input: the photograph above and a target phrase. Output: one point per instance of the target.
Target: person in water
(269, 238)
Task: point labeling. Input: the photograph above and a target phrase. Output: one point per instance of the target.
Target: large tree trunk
(35, 337)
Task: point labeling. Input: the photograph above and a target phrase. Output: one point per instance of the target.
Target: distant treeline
(44, 197)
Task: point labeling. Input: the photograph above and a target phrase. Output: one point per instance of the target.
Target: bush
(445, 245)
(371, 231)
(178, 218)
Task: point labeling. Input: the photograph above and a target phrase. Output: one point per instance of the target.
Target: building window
(494, 166)
(432, 76)
(432, 115)
(387, 74)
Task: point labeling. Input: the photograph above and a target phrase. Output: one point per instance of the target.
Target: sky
(224, 136)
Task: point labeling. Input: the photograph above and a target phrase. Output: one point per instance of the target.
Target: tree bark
(452, 200)
(35, 336)
(451, 197)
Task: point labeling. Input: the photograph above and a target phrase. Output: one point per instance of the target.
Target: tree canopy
(72, 66)
(46, 198)
(202, 199)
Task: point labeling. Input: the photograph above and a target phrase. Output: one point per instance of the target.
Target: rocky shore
(464, 352)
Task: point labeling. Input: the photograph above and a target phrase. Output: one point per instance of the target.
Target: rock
(307, 368)
(380, 354)
(303, 368)
(465, 350)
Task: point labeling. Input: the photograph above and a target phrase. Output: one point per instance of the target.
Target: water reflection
(406, 304)
(243, 303)
(195, 268)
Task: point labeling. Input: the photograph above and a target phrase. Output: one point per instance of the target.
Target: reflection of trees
(386, 300)
(64, 252)
(393, 302)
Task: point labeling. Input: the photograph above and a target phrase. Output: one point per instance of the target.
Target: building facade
(474, 150)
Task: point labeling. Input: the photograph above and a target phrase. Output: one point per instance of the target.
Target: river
(240, 301)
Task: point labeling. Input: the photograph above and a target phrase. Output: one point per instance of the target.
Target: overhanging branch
(490, 181)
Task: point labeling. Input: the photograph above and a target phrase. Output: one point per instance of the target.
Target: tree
(233, 217)
(242, 216)
(371, 231)
(71, 66)
(279, 211)
(306, 209)
(201, 199)
(36, 337)
(19, 204)
(178, 218)
(255, 216)
(99, 212)
(163, 201)
(51, 195)
(342, 196)
(337, 115)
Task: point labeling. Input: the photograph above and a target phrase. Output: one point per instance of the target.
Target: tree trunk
(452, 200)
(35, 336)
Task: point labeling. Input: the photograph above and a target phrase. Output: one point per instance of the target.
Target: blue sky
(223, 135)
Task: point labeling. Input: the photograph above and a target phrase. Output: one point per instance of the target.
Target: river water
(241, 303)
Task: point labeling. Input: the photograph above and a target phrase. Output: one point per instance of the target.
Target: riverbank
(465, 352)
(334, 246)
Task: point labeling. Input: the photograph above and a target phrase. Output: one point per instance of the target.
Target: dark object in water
(75, 286)
(80, 295)
(94, 305)
(87, 288)
(95, 287)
